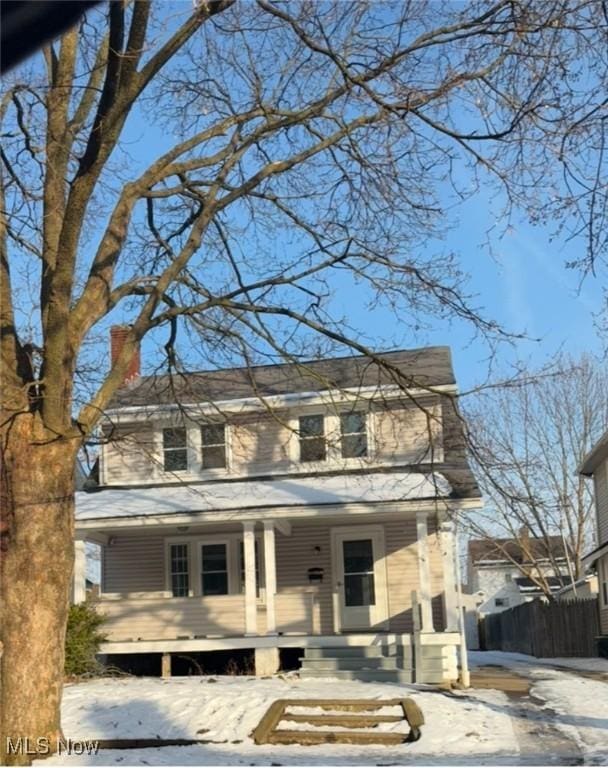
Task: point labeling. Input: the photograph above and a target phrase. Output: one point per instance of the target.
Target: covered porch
(275, 578)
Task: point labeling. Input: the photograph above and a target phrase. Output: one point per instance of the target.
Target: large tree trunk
(36, 570)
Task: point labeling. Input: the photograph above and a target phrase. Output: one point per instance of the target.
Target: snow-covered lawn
(475, 727)
(457, 732)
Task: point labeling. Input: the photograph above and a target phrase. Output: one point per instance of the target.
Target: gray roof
(428, 366)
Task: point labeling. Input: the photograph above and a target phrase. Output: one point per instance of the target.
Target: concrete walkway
(540, 741)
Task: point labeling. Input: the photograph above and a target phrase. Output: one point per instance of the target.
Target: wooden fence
(545, 630)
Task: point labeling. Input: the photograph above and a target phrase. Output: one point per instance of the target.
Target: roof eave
(596, 455)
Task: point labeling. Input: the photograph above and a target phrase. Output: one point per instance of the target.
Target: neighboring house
(585, 588)
(595, 465)
(494, 575)
(284, 506)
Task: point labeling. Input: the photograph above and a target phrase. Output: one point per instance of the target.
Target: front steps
(372, 663)
(427, 659)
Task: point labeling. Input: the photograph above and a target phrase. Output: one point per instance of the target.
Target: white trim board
(293, 514)
(246, 404)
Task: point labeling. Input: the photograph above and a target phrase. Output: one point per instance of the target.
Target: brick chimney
(118, 336)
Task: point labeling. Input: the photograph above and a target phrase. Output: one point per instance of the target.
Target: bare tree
(219, 170)
(529, 440)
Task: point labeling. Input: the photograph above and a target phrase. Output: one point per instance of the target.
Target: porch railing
(159, 616)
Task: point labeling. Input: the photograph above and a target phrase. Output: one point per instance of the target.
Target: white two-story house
(595, 466)
(304, 505)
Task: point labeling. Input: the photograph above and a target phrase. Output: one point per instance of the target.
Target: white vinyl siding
(139, 564)
(289, 441)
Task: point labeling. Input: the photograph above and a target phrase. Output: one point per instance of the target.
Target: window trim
(224, 445)
(364, 431)
(210, 541)
(164, 450)
(188, 564)
(194, 448)
(334, 459)
(195, 564)
(322, 435)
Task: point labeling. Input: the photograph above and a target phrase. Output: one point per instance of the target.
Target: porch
(322, 575)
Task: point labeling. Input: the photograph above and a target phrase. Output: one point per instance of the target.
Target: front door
(360, 578)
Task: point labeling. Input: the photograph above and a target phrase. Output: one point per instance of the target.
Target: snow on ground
(481, 658)
(577, 705)
(457, 732)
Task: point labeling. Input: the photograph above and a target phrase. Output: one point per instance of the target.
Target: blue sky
(517, 273)
(522, 283)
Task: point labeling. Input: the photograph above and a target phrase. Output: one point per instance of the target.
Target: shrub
(82, 640)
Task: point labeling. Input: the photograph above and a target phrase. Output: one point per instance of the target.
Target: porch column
(79, 577)
(251, 609)
(271, 576)
(449, 558)
(424, 570)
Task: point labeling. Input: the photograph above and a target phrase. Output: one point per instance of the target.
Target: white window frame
(214, 541)
(195, 565)
(324, 435)
(164, 450)
(365, 415)
(194, 447)
(333, 439)
(168, 584)
(189, 564)
(225, 444)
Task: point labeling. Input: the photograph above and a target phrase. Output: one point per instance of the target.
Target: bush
(82, 640)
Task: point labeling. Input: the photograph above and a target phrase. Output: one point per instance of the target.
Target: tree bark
(35, 572)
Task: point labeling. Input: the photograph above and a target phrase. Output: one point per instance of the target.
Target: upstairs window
(353, 435)
(213, 440)
(313, 446)
(214, 575)
(175, 451)
(180, 579)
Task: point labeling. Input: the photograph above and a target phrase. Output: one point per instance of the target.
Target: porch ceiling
(109, 504)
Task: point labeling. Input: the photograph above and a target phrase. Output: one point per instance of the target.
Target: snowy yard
(477, 727)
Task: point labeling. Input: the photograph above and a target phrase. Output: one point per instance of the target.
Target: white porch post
(251, 609)
(450, 563)
(79, 577)
(271, 576)
(424, 570)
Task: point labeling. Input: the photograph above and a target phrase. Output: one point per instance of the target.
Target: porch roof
(248, 494)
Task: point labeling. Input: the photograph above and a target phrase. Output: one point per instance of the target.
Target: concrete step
(356, 651)
(364, 675)
(364, 662)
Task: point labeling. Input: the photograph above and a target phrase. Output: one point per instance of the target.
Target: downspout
(465, 677)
